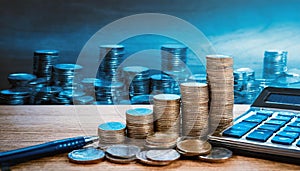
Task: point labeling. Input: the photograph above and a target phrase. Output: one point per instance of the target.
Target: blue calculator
(269, 129)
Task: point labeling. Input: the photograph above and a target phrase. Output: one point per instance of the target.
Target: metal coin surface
(86, 156)
(120, 160)
(123, 151)
(142, 158)
(193, 147)
(163, 155)
(112, 126)
(217, 155)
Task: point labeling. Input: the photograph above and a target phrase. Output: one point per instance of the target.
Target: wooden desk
(22, 126)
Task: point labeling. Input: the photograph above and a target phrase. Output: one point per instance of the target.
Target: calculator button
(287, 114)
(236, 133)
(295, 124)
(271, 127)
(288, 134)
(265, 112)
(276, 122)
(256, 118)
(292, 129)
(298, 143)
(244, 125)
(282, 140)
(285, 118)
(260, 135)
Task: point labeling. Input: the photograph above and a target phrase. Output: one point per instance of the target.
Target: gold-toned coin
(194, 147)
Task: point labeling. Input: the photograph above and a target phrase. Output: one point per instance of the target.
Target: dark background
(241, 28)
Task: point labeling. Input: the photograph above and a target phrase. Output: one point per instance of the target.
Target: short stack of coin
(173, 57)
(220, 80)
(161, 141)
(20, 79)
(195, 117)
(111, 133)
(166, 109)
(162, 83)
(65, 74)
(108, 92)
(44, 95)
(15, 96)
(139, 123)
(193, 147)
(121, 153)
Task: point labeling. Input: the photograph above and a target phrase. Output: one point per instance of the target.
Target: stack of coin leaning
(220, 80)
(139, 123)
(194, 98)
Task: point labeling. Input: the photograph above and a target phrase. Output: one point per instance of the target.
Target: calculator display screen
(286, 99)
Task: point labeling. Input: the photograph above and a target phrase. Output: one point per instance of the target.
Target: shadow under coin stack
(111, 133)
(137, 80)
(220, 80)
(162, 84)
(43, 60)
(166, 109)
(195, 117)
(65, 74)
(139, 123)
(108, 92)
(275, 64)
(111, 56)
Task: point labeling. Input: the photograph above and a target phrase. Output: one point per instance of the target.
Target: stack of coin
(64, 74)
(195, 117)
(200, 78)
(275, 64)
(179, 77)
(88, 85)
(122, 153)
(142, 99)
(45, 95)
(83, 100)
(220, 80)
(111, 56)
(108, 92)
(43, 60)
(161, 140)
(173, 57)
(20, 79)
(162, 84)
(35, 86)
(111, 133)
(193, 147)
(166, 108)
(137, 80)
(139, 123)
(15, 96)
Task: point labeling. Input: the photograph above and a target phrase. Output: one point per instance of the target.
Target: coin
(142, 158)
(161, 140)
(111, 133)
(217, 155)
(86, 156)
(120, 160)
(193, 147)
(163, 155)
(123, 151)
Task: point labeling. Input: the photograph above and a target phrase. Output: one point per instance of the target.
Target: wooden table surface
(21, 126)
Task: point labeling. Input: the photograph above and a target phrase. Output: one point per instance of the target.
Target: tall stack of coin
(108, 92)
(137, 80)
(111, 56)
(195, 118)
(15, 96)
(220, 80)
(162, 84)
(64, 74)
(275, 64)
(166, 109)
(43, 60)
(139, 123)
(111, 133)
(173, 57)
(20, 79)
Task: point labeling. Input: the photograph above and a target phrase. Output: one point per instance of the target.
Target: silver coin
(217, 155)
(86, 156)
(163, 155)
(123, 151)
(120, 160)
(142, 158)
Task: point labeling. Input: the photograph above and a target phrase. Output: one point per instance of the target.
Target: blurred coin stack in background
(109, 92)
(162, 84)
(111, 133)
(66, 97)
(195, 117)
(200, 78)
(166, 109)
(139, 122)
(45, 95)
(64, 75)
(111, 56)
(20, 79)
(275, 64)
(88, 86)
(220, 80)
(15, 96)
(43, 60)
(137, 80)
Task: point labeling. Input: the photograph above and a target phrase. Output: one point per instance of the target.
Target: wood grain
(21, 126)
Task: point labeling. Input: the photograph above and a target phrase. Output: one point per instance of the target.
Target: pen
(8, 158)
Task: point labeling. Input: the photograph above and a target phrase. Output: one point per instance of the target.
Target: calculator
(269, 129)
